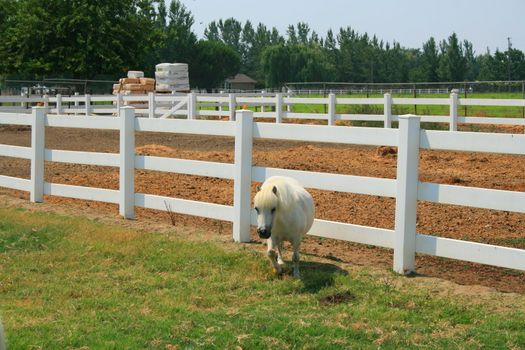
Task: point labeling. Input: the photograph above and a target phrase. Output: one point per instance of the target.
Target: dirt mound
(386, 151)
(155, 150)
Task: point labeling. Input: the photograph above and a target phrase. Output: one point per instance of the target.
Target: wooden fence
(271, 105)
(406, 188)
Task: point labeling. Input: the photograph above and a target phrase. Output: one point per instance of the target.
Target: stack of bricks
(134, 86)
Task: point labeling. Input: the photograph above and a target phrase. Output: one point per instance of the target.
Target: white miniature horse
(285, 212)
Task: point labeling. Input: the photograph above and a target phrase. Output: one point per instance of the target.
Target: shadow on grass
(316, 275)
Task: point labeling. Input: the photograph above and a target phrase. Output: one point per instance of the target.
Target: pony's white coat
(287, 209)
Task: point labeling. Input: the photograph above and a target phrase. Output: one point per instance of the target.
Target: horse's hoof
(277, 271)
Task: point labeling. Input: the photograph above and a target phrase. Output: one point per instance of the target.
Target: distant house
(240, 82)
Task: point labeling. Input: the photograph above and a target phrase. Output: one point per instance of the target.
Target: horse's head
(266, 203)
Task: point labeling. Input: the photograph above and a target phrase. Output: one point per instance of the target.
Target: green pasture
(74, 283)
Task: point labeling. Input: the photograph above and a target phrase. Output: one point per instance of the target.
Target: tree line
(104, 39)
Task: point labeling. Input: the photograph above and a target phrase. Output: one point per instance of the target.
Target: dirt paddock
(465, 169)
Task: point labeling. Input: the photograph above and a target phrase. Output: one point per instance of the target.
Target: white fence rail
(277, 106)
(406, 188)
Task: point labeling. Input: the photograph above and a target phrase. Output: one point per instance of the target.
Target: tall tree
(75, 38)
(303, 32)
(452, 64)
(231, 30)
(304, 63)
(213, 62)
(292, 35)
(180, 38)
(211, 32)
(429, 61)
(471, 63)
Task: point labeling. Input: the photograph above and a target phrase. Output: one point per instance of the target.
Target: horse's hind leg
(295, 258)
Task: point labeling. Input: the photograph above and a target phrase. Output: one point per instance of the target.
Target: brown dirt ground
(460, 168)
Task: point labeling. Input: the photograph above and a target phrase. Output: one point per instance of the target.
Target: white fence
(277, 106)
(406, 188)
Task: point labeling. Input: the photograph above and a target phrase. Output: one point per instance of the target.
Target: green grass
(68, 282)
(481, 111)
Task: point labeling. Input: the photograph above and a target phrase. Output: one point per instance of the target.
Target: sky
(485, 23)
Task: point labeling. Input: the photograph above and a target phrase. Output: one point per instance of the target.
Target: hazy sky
(486, 23)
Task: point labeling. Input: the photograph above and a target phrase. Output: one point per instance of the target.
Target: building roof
(240, 78)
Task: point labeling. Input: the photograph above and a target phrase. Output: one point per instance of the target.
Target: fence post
(278, 107)
(406, 198)
(288, 105)
(263, 109)
(24, 104)
(120, 102)
(242, 176)
(46, 102)
(76, 103)
(127, 162)
(151, 104)
(331, 109)
(453, 111)
(388, 110)
(59, 108)
(88, 104)
(192, 105)
(220, 104)
(232, 106)
(38, 115)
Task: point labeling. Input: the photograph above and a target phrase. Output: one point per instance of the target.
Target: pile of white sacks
(171, 77)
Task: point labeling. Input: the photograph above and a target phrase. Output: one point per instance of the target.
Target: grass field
(444, 110)
(479, 111)
(70, 282)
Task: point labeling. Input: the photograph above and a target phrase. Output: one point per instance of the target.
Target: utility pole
(508, 57)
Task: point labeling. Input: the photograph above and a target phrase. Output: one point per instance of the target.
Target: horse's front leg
(272, 255)
(280, 260)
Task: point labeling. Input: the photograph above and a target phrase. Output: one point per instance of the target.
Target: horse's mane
(286, 192)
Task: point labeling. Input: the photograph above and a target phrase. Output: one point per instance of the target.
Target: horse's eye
(273, 210)
(257, 210)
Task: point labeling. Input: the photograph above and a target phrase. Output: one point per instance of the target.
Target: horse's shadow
(316, 276)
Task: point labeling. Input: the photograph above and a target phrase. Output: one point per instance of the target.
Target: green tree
(228, 32)
(471, 63)
(429, 62)
(75, 38)
(211, 32)
(452, 64)
(303, 63)
(179, 36)
(517, 64)
(212, 63)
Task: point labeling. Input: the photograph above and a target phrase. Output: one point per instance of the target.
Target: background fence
(282, 107)
(515, 88)
(406, 188)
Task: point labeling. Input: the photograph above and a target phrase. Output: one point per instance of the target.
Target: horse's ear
(274, 190)
(258, 188)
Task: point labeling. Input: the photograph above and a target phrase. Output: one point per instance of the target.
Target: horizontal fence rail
(278, 106)
(406, 188)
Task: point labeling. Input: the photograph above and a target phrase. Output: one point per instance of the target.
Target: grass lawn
(444, 110)
(480, 111)
(71, 282)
